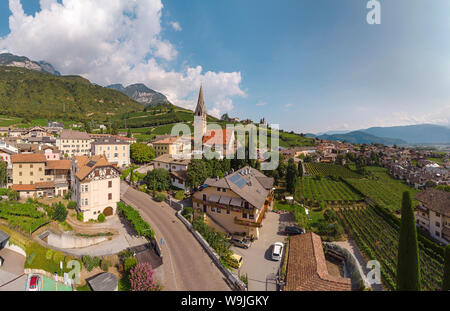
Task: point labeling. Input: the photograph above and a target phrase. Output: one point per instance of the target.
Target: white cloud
(261, 103)
(115, 41)
(176, 26)
(288, 105)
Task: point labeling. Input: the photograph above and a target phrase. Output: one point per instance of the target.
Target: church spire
(200, 110)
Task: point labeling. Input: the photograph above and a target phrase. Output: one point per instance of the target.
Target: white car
(277, 251)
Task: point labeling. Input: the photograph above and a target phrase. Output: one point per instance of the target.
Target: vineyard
(329, 170)
(382, 189)
(325, 189)
(22, 216)
(378, 239)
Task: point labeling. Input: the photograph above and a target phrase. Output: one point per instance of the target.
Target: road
(186, 266)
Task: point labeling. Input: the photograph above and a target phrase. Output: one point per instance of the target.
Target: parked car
(237, 261)
(240, 241)
(277, 251)
(34, 283)
(292, 230)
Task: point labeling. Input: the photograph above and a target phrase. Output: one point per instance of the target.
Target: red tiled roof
(28, 158)
(218, 137)
(307, 269)
(58, 165)
(23, 187)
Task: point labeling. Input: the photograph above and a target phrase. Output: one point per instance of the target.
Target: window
(109, 196)
(97, 173)
(438, 233)
(244, 215)
(110, 184)
(228, 212)
(20, 173)
(108, 171)
(204, 197)
(20, 165)
(213, 209)
(438, 224)
(31, 165)
(31, 173)
(219, 210)
(246, 204)
(251, 216)
(438, 215)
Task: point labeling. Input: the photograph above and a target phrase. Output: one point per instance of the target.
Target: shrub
(13, 195)
(180, 195)
(160, 197)
(187, 212)
(58, 257)
(71, 205)
(90, 262)
(142, 278)
(60, 213)
(68, 195)
(49, 254)
(105, 265)
(130, 263)
(101, 217)
(80, 216)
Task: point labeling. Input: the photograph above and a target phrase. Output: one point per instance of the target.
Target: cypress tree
(446, 278)
(408, 271)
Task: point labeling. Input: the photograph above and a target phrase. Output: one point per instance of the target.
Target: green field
(381, 188)
(325, 189)
(49, 285)
(378, 240)
(329, 170)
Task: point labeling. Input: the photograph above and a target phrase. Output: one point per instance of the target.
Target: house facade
(116, 150)
(73, 143)
(433, 213)
(95, 186)
(237, 202)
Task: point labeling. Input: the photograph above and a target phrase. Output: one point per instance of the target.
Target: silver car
(277, 251)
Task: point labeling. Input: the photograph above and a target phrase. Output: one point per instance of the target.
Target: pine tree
(408, 270)
(446, 278)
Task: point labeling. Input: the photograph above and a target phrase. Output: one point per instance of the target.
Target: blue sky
(308, 65)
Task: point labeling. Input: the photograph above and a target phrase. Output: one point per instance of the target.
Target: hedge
(140, 225)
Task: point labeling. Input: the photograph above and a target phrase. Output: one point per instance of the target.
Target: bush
(71, 205)
(49, 254)
(105, 265)
(80, 216)
(68, 195)
(130, 263)
(101, 217)
(160, 197)
(90, 262)
(60, 213)
(187, 212)
(142, 279)
(180, 195)
(58, 257)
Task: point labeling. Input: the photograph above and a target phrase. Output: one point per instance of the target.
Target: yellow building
(237, 202)
(29, 168)
(171, 145)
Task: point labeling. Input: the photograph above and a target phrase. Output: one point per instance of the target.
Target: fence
(234, 280)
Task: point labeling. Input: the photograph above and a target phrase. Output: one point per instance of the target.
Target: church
(222, 141)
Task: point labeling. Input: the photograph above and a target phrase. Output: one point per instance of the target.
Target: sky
(307, 65)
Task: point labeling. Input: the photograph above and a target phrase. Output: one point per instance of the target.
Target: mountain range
(400, 135)
(142, 94)
(8, 59)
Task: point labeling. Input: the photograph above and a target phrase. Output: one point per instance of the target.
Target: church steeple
(200, 115)
(200, 110)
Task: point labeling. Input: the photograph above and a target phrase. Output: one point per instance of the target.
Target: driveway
(12, 267)
(186, 266)
(258, 266)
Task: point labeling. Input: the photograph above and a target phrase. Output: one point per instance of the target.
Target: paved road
(186, 266)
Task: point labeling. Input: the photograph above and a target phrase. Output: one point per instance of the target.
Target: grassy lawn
(436, 160)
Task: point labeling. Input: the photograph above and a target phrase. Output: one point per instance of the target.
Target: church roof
(200, 110)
